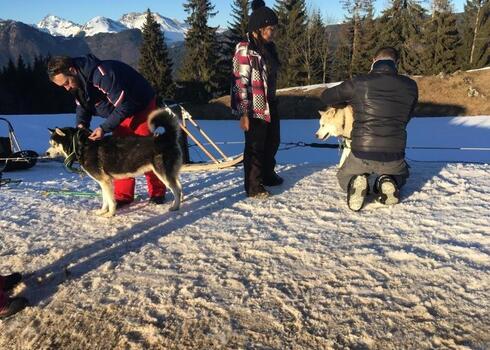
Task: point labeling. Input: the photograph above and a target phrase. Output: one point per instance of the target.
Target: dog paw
(109, 214)
(174, 208)
(101, 212)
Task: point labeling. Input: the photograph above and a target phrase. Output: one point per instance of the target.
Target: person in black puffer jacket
(383, 102)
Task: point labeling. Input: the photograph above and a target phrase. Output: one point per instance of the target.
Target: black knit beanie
(261, 16)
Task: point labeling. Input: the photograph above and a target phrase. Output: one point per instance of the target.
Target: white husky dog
(337, 122)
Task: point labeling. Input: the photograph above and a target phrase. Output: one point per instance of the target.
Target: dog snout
(319, 135)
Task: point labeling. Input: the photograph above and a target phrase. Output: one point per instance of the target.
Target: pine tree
(8, 98)
(342, 57)
(290, 40)
(311, 48)
(154, 63)
(237, 30)
(359, 36)
(198, 72)
(441, 40)
(369, 42)
(324, 53)
(475, 34)
(400, 27)
(40, 83)
(467, 31)
(480, 47)
(22, 86)
(354, 8)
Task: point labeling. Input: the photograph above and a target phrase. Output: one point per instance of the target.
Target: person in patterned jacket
(255, 67)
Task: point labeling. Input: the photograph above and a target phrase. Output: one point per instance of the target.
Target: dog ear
(51, 130)
(59, 132)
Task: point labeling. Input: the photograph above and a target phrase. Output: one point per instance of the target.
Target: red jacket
(249, 86)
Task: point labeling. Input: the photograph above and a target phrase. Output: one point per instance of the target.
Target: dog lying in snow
(122, 157)
(337, 122)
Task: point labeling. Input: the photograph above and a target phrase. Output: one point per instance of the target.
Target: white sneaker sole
(389, 190)
(356, 200)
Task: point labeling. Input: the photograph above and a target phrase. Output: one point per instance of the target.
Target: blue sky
(32, 11)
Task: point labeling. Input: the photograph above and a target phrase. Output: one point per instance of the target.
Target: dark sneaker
(10, 281)
(13, 306)
(388, 190)
(274, 180)
(357, 191)
(122, 204)
(157, 200)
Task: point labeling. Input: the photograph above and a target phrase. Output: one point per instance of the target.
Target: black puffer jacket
(383, 102)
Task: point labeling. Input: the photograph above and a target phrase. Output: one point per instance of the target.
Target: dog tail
(164, 117)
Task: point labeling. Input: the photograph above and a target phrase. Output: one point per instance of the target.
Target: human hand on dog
(244, 123)
(97, 134)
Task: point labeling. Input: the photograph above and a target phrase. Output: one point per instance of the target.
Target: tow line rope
(290, 145)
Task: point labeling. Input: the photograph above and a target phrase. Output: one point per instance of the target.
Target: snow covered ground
(295, 271)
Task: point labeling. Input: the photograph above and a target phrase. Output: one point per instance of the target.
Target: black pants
(353, 166)
(261, 144)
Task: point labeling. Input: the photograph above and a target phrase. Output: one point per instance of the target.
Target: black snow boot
(259, 193)
(357, 191)
(10, 281)
(387, 190)
(13, 306)
(157, 200)
(273, 180)
(122, 204)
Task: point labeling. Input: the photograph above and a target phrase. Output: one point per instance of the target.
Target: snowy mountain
(58, 26)
(102, 25)
(174, 30)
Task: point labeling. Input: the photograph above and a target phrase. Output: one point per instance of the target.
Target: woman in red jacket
(255, 67)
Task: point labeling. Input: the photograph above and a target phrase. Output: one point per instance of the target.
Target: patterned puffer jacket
(249, 84)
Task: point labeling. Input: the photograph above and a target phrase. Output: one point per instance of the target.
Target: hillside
(461, 93)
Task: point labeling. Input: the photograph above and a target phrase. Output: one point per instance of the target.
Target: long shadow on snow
(420, 174)
(81, 261)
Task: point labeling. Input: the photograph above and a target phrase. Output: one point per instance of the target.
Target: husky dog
(337, 122)
(121, 157)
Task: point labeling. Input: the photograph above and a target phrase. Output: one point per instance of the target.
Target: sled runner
(217, 158)
(12, 157)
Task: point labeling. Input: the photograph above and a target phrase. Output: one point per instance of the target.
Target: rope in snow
(4, 181)
(25, 159)
(447, 161)
(70, 193)
(291, 145)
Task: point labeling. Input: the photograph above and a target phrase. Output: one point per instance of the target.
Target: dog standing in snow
(337, 122)
(115, 157)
